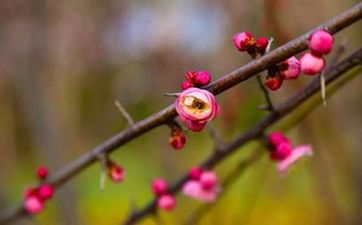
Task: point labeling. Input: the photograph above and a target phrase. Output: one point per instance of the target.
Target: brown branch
(269, 104)
(280, 111)
(299, 44)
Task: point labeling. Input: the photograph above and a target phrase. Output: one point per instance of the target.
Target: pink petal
(194, 190)
(297, 153)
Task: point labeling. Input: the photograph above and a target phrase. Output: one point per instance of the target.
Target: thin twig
(280, 112)
(224, 83)
(268, 100)
(124, 113)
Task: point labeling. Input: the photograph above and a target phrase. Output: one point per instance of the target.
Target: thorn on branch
(171, 94)
(124, 112)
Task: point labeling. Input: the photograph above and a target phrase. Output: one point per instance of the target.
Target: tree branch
(280, 111)
(162, 117)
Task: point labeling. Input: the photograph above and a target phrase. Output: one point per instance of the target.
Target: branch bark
(279, 112)
(295, 46)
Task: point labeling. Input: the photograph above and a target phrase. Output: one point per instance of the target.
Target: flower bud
(196, 105)
(33, 205)
(281, 151)
(115, 172)
(177, 139)
(45, 191)
(321, 42)
(190, 76)
(242, 40)
(275, 138)
(159, 186)
(261, 44)
(208, 180)
(291, 68)
(273, 83)
(195, 173)
(42, 172)
(186, 84)
(311, 64)
(202, 78)
(166, 202)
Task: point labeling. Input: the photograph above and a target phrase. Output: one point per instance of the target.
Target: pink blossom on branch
(196, 104)
(33, 205)
(296, 154)
(291, 68)
(321, 42)
(312, 64)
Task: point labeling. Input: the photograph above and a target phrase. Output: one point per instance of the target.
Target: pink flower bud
(202, 78)
(321, 42)
(195, 173)
(195, 126)
(311, 64)
(242, 40)
(292, 68)
(42, 172)
(33, 205)
(273, 83)
(275, 138)
(159, 186)
(261, 44)
(208, 180)
(186, 84)
(296, 154)
(281, 151)
(194, 190)
(166, 202)
(45, 191)
(115, 172)
(196, 104)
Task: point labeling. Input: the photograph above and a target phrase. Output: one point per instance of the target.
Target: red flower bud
(243, 40)
(202, 78)
(208, 180)
(321, 42)
(274, 83)
(177, 139)
(42, 172)
(312, 64)
(45, 191)
(195, 173)
(115, 172)
(186, 84)
(261, 44)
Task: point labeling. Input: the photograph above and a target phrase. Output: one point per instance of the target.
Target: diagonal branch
(295, 46)
(280, 112)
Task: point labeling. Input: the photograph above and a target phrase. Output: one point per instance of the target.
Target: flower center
(196, 104)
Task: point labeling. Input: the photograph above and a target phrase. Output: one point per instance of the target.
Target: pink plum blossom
(292, 69)
(196, 105)
(241, 40)
(296, 154)
(195, 190)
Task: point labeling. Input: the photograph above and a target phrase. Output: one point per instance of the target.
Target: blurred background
(64, 63)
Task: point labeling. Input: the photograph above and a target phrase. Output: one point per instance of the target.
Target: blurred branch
(164, 116)
(124, 113)
(280, 112)
(269, 103)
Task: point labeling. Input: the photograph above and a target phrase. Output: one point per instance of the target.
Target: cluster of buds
(165, 200)
(115, 172)
(287, 70)
(283, 152)
(35, 197)
(245, 42)
(196, 79)
(320, 43)
(196, 107)
(202, 185)
(177, 138)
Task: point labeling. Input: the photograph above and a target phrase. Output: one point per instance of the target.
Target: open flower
(196, 105)
(296, 154)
